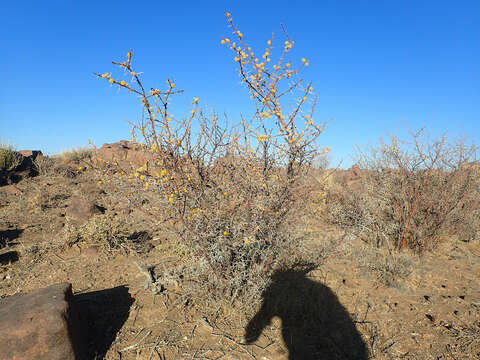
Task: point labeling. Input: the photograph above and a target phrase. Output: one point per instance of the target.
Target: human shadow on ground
(7, 236)
(101, 315)
(314, 323)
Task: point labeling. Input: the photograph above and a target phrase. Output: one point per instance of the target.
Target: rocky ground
(363, 302)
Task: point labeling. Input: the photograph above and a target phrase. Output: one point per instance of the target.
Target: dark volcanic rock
(40, 325)
(123, 154)
(81, 209)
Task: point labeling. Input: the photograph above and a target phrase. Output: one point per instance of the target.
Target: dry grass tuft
(109, 231)
(77, 155)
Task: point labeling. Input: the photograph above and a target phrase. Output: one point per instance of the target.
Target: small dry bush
(232, 191)
(414, 194)
(77, 155)
(44, 164)
(9, 158)
(386, 268)
(109, 231)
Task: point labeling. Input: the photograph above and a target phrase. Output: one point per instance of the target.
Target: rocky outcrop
(123, 154)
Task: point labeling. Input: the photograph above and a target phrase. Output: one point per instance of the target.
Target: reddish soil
(403, 306)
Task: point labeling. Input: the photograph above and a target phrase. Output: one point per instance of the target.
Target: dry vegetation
(233, 192)
(412, 194)
(236, 242)
(9, 158)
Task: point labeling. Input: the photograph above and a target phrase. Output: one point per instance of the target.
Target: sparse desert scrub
(44, 164)
(9, 158)
(108, 231)
(414, 193)
(384, 267)
(77, 155)
(231, 190)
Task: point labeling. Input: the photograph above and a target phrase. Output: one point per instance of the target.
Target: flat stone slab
(40, 325)
(80, 210)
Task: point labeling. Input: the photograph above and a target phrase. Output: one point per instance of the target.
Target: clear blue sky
(377, 66)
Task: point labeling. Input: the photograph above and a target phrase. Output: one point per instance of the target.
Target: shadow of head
(101, 314)
(314, 323)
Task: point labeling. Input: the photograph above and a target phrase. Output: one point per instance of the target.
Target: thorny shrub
(44, 164)
(233, 191)
(9, 158)
(413, 194)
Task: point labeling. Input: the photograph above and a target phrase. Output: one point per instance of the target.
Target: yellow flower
(269, 42)
(79, 168)
(223, 42)
(195, 100)
(172, 85)
(247, 241)
(142, 177)
(262, 137)
(111, 81)
(123, 82)
(303, 60)
(225, 233)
